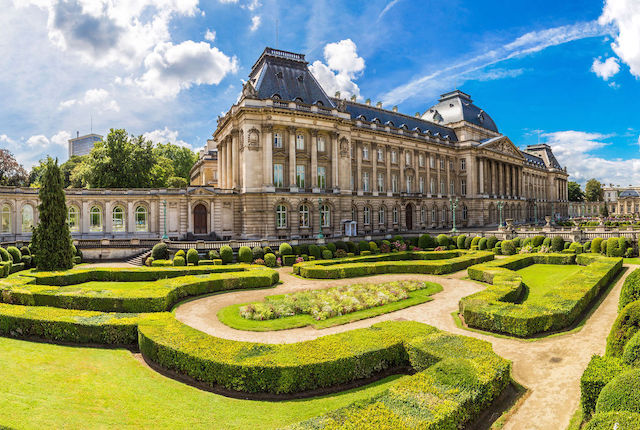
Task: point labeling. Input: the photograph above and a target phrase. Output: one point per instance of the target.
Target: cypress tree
(51, 238)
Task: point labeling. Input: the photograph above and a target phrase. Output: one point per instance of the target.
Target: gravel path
(550, 368)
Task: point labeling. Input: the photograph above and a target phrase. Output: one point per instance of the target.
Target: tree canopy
(11, 172)
(575, 192)
(593, 191)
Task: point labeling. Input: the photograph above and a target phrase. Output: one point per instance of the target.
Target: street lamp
(164, 236)
(454, 206)
(320, 235)
(500, 206)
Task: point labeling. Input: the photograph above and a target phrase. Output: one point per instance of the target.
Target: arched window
(281, 216)
(367, 215)
(118, 220)
(95, 219)
(73, 219)
(325, 216)
(6, 219)
(304, 216)
(27, 218)
(142, 223)
(381, 215)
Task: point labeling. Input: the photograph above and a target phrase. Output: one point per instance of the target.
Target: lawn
(544, 278)
(52, 386)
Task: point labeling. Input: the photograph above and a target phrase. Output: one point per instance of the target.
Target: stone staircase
(139, 259)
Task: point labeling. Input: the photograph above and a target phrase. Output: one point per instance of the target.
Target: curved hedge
(630, 289)
(427, 262)
(621, 394)
(624, 328)
(609, 420)
(498, 307)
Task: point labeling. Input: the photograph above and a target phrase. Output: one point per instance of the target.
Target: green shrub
(363, 246)
(351, 247)
(327, 255)
(217, 262)
(587, 246)
(557, 244)
(630, 289)
(612, 247)
(193, 257)
(214, 255)
(621, 394)
(285, 249)
(26, 260)
(631, 354)
(623, 244)
(475, 241)
(148, 261)
(226, 254)
(331, 247)
(179, 261)
(15, 254)
(160, 251)
(425, 241)
(576, 247)
(508, 247)
(491, 242)
(624, 328)
(245, 255)
(603, 247)
(442, 240)
(482, 243)
(161, 263)
(467, 242)
(257, 253)
(599, 372)
(315, 251)
(268, 250)
(373, 247)
(270, 260)
(460, 241)
(342, 245)
(547, 242)
(26, 251)
(620, 420)
(526, 241)
(181, 253)
(77, 259)
(537, 240)
(363, 253)
(288, 260)
(5, 255)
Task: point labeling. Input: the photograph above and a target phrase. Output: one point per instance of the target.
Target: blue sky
(565, 73)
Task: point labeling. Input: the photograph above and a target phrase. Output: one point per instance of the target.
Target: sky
(565, 73)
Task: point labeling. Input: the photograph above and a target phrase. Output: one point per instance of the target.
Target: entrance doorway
(200, 219)
(409, 216)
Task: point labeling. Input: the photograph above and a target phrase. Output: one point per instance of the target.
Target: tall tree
(575, 192)
(181, 158)
(11, 172)
(51, 241)
(593, 191)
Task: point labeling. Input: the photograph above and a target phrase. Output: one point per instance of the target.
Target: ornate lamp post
(500, 206)
(454, 206)
(320, 235)
(164, 204)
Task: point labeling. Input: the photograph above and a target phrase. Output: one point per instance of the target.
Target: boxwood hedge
(499, 308)
(614, 420)
(429, 262)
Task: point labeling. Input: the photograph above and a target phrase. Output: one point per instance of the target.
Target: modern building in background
(82, 145)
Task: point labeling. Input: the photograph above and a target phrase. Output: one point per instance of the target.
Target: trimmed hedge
(499, 308)
(285, 249)
(226, 254)
(621, 394)
(609, 421)
(630, 289)
(598, 373)
(16, 255)
(160, 251)
(270, 260)
(245, 255)
(193, 257)
(428, 262)
(179, 261)
(624, 328)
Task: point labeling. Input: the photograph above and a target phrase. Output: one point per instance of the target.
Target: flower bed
(427, 262)
(503, 308)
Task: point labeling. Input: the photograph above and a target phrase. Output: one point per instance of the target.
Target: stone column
(448, 167)
(416, 173)
(235, 156)
(267, 166)
(189, 218)
(107, 217)
(428, 163)
(374, 173)
(402, 166)
(334, 160)
(358, 153)
(229, 172)
(493, 178)
(84, 217)
(387, 155)
(222, 167)
(130, 220)
(500, 179)
(439, 184)
(314, 161)
(480, 174)
(292, 159)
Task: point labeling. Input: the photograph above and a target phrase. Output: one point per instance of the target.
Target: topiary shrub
(160, 251)
(341, 253)
(566, 245)
(576, 247)
(526, 241)
(491, 242)
(623, 244)
(507, 247)
(426, 241)
(245, 255)
(331, 247)
(193, 257)
(460, 241)
(179, 261)
(315, 251)
(226, 254)
(148, 261)
(258, 253)
(475, 241)
(288, 260)
(516, 242)
(547, 242)
(5, 255)
(268, 250)
(621, 394)
(557, 244)
(612, 247)
(363, 246)
(342, 245)
(537, 241)
(631, 354)
(624, 328)
(373, 247)
(15, 254)
(620, 420)
(351, 247)
(26, 251)
(270, 260)
(630, 289)
(442, 240)
(327, 255)
(181, 253)
(214, 255)
(587, 246)
(285, 249)
(603, 247)
(482, 243)
(467, 242)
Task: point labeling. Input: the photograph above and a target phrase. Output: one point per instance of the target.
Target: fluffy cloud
(624, 15)
(344, 65)
(255, 23)
(172, 68)
(605, 69)
(165, 136)
(210, 35)
(97, 98)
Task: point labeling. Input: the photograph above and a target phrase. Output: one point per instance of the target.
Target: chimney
(354, 98)
(395, 109)
(337, 94)
(368, 102)
(379, 105)
(417, 115)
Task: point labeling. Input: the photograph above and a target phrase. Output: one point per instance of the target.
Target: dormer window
(376, 120)
(389, 123)
(319, 103)
(404, 127)
(276, 96)
(362, 118)
(279, 75)
(300, 78)
(298, 100)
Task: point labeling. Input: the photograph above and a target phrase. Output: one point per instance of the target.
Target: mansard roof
(285, 75)
(457, 106)
(543, 151)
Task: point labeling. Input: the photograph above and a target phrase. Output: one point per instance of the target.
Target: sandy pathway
(551, 367)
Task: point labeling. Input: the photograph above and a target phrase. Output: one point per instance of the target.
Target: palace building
(289, 161)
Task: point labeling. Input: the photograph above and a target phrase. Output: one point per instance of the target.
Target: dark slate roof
(533, 159)
(368, 113)
(548, 154)
(457, 106)
(287, 75)
(629, 193)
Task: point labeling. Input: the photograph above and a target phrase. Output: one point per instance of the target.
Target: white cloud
(165, 136)
(255, 23)
(97, 98)
(605, 69)
(493, 74)
(387, 8)
(445, 78)
(172, 68)
(252, 5)
(343, 66)
(61, 138)
(624, 15)
(210, 35)
(38, 142)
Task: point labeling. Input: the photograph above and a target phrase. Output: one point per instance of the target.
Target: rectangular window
(365, 152)
(366, 215)
(394, 183)
(395, 215)
(463, 164)
(432, 186)
(322, 177)
(432, 162)
(380, 154)
(394, 157)
(442, 163)
(353, 183)
(380, 182)
(443, 187)
(365, 181)
(463, 187)
(277, 140)
(300, 176)
(452, 188)
(421, 185)
(409, 184)
(407, 158)
(451, 165)
(421, 160)
(278, 175)
(300, 142)
(321, 144)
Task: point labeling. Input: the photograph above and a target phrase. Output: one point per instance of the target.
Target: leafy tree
(11, 172)
(182, 159)
(51, 241)
(177, 182)
(593, 191)
(575, 192)
(604, 211)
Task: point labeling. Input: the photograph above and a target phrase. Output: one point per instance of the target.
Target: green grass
(230, 315)
(545, 278)
(631, 260)
(52, 386)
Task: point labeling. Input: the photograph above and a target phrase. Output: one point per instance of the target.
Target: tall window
(118, 219)
(300, 142)
(407, 158)
(278, 175)
(452, 188)
(423, 214)
(321, 144)
(300, 176)
(365, 152)
(450, 164)
(142, 222)
(395, 215)
(443, 188)
(281, 216)
(409, 183)
(304, 216)
(434, 215)
(442, 163)
(394, 157)
(6, 219)
(365, 181)
(463, 164)
(367, 215)
(421, 185)
(421, 160)
(394, 183)
(463, 187)
(95, 219)
(432, 162)
(277, 140)
(73, 219)
(325, 216)
(27, 218)
(381, 215)
(354, 214)
(432, 186)
(380, 182)
(444, 214)
(380, 154)
(322, 177)
(465, 213)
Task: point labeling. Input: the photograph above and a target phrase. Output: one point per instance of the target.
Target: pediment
(502, 145)
(200, 191)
